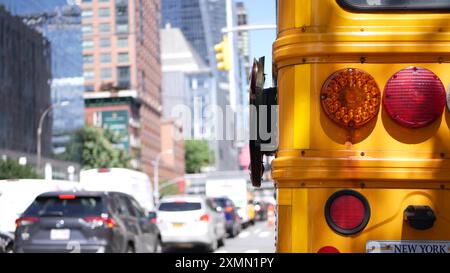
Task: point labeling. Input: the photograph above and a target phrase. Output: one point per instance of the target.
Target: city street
(259, 238)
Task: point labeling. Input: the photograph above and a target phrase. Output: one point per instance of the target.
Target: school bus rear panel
(392, 165)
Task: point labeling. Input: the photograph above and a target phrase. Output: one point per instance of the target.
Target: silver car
(187, 221)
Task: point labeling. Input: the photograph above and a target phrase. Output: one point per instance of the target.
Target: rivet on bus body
(303, 29)
(303, 153)
(363, 154)
(362, 60)
(362, 185)
(440, 60)
(362, 29)
(304, 60)
(442, 155)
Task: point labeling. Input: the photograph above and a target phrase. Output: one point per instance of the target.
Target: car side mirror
(152, 215)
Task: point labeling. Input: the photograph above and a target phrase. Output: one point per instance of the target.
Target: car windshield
(222, 202)
(180, 206)
(53, 206)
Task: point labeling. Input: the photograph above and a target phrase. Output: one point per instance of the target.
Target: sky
(262, 12)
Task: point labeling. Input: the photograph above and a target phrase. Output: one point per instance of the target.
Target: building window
(122, 28)
(105, 58)
(104, 12)
(124, 58)
(89, 88)
(122, 42)
(105, 28)
(106, 73)
(123, 73)
(88, 44)
(105, 42)
(87, 13)
(122, 11)
(86, 29)
(88, 59)
(88, 75)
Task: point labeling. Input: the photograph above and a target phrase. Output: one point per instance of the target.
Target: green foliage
(10, 169)
(197, 155)
(94, 148)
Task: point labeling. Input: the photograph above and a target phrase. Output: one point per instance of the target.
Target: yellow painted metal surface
(304, 221)
(392, 166)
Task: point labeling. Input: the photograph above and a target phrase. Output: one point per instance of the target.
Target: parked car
(6, 242)
(85, 222)
(190, 221)
(232, 219)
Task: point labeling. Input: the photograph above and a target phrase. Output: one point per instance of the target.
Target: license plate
(177, 225)
(60, 234)
(408, 247)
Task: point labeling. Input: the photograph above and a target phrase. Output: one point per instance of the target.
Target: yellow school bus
(363, 156)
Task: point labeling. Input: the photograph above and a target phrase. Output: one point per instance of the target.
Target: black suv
(85, 222)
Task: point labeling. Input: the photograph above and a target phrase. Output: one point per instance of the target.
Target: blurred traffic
(114, 211)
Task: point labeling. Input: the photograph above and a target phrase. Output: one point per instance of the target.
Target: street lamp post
(39, 130)
(156, 174)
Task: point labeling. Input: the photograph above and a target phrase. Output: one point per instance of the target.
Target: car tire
(9, 248)
(221, 242)
(213, 246)
(130, 249)
(158, 247)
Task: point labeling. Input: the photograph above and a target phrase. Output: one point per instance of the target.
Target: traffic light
(223, 54)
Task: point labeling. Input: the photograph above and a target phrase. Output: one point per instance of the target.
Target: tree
(10, 169)
(197, 155)
(94, 148)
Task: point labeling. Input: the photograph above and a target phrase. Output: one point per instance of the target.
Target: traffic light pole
(231, 45)
(248, 28)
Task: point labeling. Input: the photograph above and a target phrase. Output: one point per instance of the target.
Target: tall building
(201, 22)
(60, 23)
(122, 73)
(25, 72)
(187, 81)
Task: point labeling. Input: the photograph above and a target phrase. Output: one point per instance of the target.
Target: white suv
(186, 221)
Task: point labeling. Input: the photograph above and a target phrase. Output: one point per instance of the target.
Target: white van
(17, 195)
(134, 183)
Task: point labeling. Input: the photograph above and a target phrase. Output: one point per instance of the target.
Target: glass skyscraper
(201, 22)
(60, 23)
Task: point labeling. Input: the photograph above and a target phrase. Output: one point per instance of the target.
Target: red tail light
(99, 221)
(347, 212)
(154, 220)
(204, 217)
(414, 97)
(67, 196)
(25, 221)
(328, 249)
(103, 170)
(229, 209)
